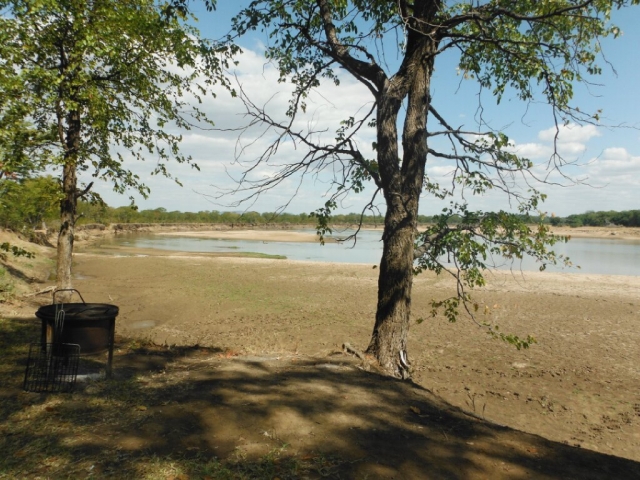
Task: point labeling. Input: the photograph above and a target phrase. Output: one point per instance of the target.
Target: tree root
(347, 348)
(369, 363)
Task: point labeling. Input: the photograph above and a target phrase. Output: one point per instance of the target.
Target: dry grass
(68, 435)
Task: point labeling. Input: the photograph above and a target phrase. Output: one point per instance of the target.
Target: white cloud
(616, 164)
(570, 143)
(440, 172)
(225, 151)
(532, 151)
(571, 133)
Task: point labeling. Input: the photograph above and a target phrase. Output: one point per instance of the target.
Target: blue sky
(609, 158)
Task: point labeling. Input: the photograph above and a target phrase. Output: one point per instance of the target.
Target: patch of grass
(6, 285)
(260, 255)
(275, 464)
(73, 435)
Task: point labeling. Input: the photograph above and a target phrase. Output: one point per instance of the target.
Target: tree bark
(389, 338)
(402, 186)
(68, 203)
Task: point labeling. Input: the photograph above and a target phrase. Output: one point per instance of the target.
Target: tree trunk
(68, 204)
(389, 338)
(402, 186)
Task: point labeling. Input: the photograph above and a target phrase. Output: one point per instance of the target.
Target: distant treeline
(628, 218)
(105, 215)
(26, 204)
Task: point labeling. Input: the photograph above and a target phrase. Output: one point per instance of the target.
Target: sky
(604, 175)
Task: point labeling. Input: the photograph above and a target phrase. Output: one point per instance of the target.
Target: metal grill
(52, 367)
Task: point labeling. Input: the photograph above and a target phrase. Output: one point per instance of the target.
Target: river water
(592, 255)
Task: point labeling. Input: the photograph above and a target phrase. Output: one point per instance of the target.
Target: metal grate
(52, 367)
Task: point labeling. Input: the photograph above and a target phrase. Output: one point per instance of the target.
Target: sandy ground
(624, 233)
(578, 386)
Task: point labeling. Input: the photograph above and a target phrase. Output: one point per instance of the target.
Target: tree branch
(340, 53)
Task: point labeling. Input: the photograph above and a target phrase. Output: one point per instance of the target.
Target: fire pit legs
(90, 325)
(112, 335)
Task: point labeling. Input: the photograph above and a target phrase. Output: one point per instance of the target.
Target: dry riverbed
(269, 371)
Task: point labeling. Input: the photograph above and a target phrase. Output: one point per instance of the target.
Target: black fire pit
(90, 325)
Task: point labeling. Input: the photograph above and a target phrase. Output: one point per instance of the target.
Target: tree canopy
(530, 50)
(86, 84)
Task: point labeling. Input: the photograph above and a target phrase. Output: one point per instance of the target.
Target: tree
(534, 50)
(29, 202)
(95, 81)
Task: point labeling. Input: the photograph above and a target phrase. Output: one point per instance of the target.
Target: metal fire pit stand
(74, 310)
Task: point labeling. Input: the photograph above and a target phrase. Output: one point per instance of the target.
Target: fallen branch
(40, 292)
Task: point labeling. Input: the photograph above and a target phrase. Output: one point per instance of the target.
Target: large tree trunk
(402, 186)
(68, 204)
(389, 338)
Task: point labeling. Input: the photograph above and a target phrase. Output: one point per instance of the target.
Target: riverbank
(276, 232)
(268, 370)
(612, 232)
(575, 385)
(263, 235)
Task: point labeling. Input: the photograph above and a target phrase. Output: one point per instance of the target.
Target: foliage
(26, 204)
(102, 213)
(628, 218)
(17, 141)
(99, 82)
(531, 50)
(15, 251)
(128, 71)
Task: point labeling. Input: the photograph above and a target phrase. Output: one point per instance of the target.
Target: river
(589, 255)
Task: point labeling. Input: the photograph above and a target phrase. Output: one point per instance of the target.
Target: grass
(74, 435)
(259, 255)
(275, 464)
(6, 285)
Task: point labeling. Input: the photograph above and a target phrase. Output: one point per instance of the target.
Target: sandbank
(621, 233)
(264, 235)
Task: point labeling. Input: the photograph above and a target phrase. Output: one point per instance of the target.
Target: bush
(6, 285)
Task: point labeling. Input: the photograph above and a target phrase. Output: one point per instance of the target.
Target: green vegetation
(14, 250)
(93, 213)
(83, 84)
(628, 218)
(26, 203)
(104, 214)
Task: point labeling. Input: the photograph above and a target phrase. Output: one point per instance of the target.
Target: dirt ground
(269, 374)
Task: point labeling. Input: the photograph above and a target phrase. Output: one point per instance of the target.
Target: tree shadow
(192, 411)
(19, 274)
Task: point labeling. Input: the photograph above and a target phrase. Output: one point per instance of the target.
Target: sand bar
(613, 233)
(263, 235)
